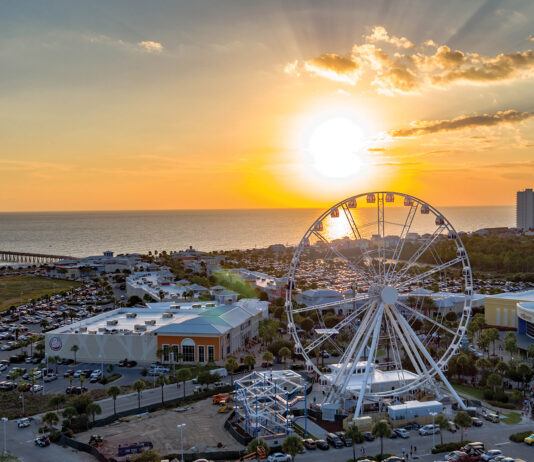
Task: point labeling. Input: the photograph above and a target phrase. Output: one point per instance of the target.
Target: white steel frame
(375, 271)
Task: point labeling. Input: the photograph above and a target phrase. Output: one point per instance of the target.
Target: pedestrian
(411, 448)
(415, 449)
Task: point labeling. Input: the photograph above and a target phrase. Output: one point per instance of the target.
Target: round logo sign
(55, 343)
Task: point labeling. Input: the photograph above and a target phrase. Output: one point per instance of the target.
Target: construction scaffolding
(265, 400)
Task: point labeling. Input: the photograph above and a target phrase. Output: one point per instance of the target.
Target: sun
(333, 146)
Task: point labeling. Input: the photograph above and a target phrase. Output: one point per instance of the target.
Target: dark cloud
(420, 128)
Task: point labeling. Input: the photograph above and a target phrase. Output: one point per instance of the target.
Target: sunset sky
(108, 105)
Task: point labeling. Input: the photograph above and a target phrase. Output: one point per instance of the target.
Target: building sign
(55, 343)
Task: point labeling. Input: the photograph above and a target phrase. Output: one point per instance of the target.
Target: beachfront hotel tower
(525, 209)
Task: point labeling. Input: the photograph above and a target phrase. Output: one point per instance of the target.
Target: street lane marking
(502, 444)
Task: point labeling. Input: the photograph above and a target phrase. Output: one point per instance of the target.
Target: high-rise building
(525, 209)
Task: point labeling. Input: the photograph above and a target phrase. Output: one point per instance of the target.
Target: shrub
(54, 436)
(448, 447)
(519, 437)
(488, 394)
(503, 405)
(501, 396)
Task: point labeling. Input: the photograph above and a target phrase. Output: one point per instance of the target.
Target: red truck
(463, 457)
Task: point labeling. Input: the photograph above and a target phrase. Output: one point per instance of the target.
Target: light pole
(433, 414)
(181, 426)
(4, 419)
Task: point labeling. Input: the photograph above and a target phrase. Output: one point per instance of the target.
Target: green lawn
(474, 392)
(512, 418)
(31, 287)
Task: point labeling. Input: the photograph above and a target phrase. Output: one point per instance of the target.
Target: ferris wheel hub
(389, 295)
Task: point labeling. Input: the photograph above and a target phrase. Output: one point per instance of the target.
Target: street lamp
(181, 426)
(433, 414)
(4, 419)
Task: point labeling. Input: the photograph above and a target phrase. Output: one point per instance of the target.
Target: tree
(55, 359)
(249, 361)
(284, 353)
(57, 400)
(292, 445)
(463, 420)
(493, 336)
(82, 380)
(307, 324)
(139, 386)
(134, 300)
(44, 324)
(114, 391)
(161, 381)
(381, 429)
(355, 436)
(494, 381)
(268, 357)
(50, 419)
(74, 349)
(443, 424)
(94, 409)
(183, 375)
(253, 447)
(267, 330)
(510, 343)
(231, 366)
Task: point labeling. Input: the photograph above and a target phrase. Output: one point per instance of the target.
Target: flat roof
(526, 295)
(414, 405)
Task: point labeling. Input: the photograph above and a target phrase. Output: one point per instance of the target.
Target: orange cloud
(420, 128)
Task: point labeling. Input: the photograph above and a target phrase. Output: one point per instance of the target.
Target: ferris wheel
(374, 274)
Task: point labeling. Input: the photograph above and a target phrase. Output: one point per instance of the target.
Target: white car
(491, 454)
(50, 377)
(36, 388)
(429, 430)
(23, 423)
(279, 457)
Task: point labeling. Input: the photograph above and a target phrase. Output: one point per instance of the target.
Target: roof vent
(150, 322)
(167, 315)
(131, 315)
(140, 328)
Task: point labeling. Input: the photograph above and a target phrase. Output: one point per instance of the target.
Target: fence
(82, 447)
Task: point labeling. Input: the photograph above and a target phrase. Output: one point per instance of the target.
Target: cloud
(150, 46)
(420, 128)
(401, 68)
(380, 34)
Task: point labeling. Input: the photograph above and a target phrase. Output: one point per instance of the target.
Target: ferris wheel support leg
(432, 362)
(370, 359)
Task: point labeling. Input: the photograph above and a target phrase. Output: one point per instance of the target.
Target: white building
(201, 332)
(161, 287)
(525, 209)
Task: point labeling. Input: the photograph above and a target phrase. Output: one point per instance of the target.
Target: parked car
(412, 426)
(491, 454)
(309, 444)
(36, 388)
(77, 373)
(368, 436)
(68, 373)
(529, 439)
(7, 385)
(23, 423)
(393, 459)
(279, 457)
(322, 444)
(402, 433)
(429, 430)
(492, 417)
(50, 377)
(344, 439)
(87, 373)
(476, 422)
(42, 441)
(334, 440)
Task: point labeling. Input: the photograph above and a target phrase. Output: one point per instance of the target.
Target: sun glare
(334, 145)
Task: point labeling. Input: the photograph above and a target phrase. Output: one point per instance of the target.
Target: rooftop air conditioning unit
(113, 322)
(102, 329)
(131, 315)
(83, 329)
(196, 305)
(175, 307)
(150, 322)
(140, 328)
(210, 305)
(91, 331)
(167, 315)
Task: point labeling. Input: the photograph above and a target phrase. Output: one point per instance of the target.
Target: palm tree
(57, 400)
(114, 391)
(463, 420)
(183, 375)
(381, 430)
(292, 445)
(44, 324)
(55, 359)
(355, 436)
(161, 381)
(93, 409)
(231, 366)
(82, 380)
(139, 386)
(249, 361)
(443, 424)
(74, 349)
(50, 419)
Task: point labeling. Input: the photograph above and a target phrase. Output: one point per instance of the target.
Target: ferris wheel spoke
(358, 238)
(430, 272)
(326, 306)
(334, 330)
(402, 239)
(381, 234)
(359, 271)
(427, 318)
(419, 252)
(397, 361)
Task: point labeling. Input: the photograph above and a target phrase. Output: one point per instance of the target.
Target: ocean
(81, 234)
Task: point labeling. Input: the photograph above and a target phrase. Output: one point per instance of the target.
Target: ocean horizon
(83, 233)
